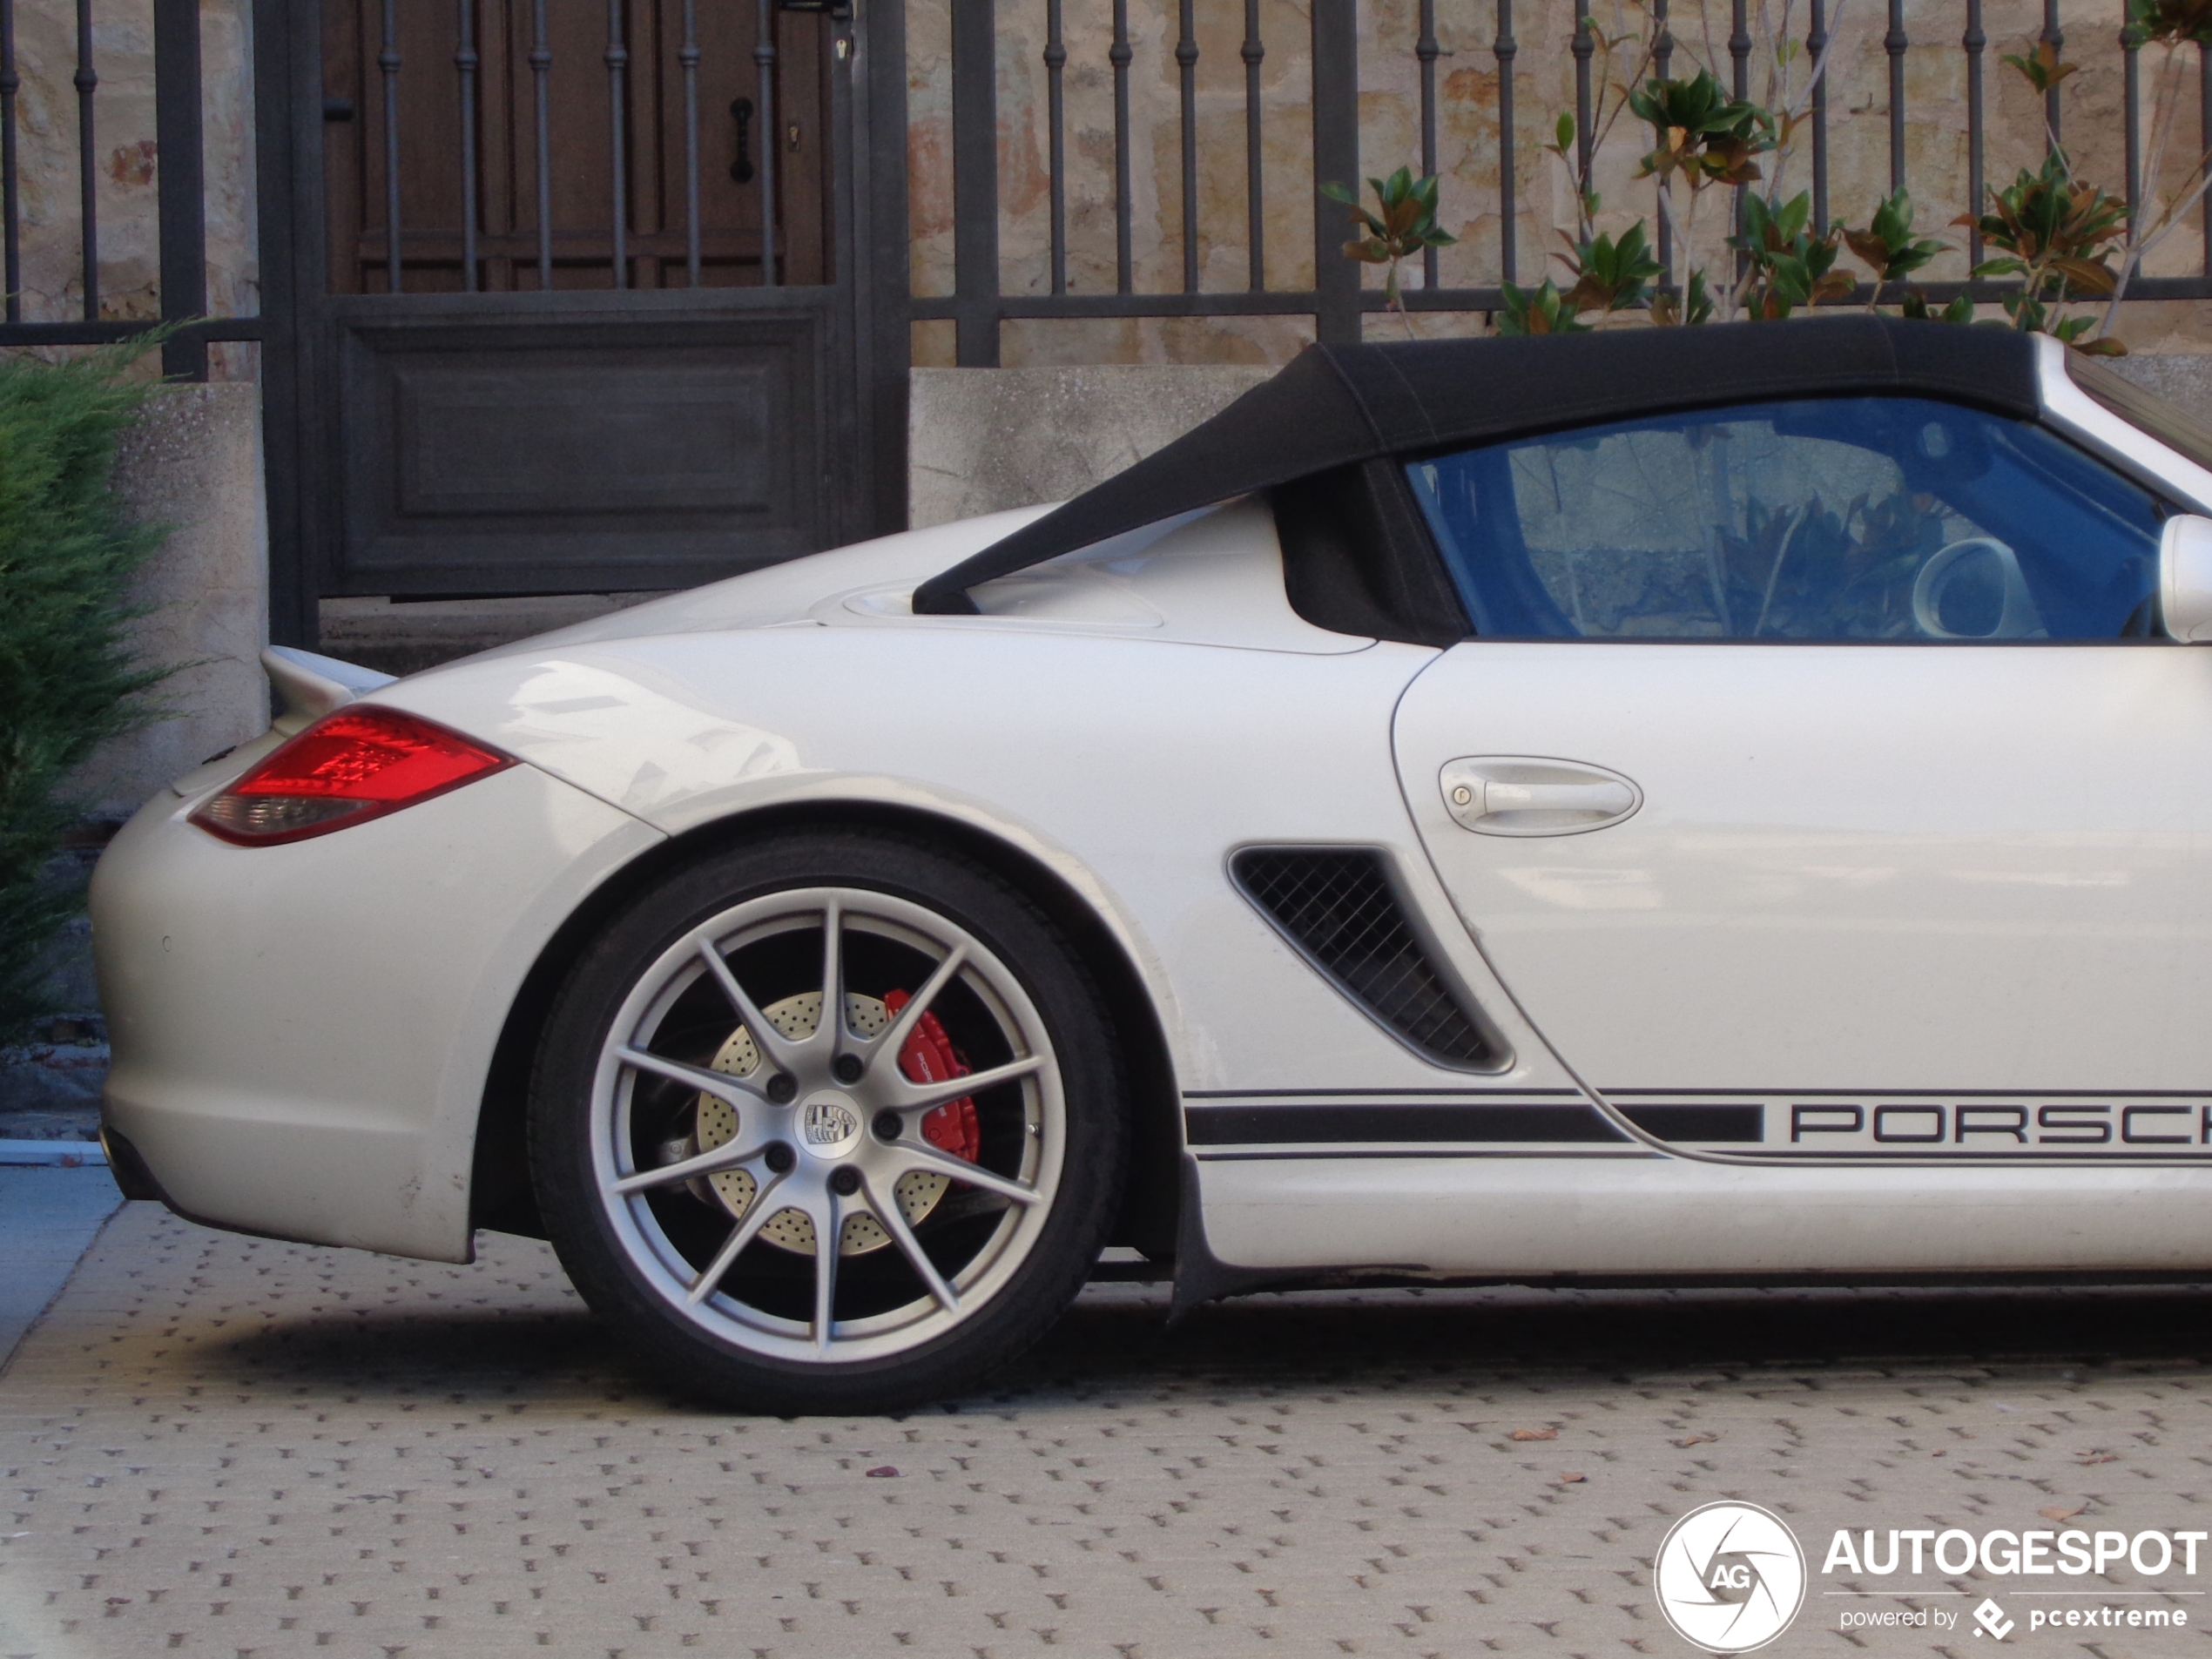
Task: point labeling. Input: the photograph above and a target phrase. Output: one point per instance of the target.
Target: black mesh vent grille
(1336, 905)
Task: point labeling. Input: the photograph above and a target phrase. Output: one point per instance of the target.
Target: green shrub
(67, 678)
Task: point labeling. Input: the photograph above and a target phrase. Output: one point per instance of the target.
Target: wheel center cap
(829, 1125)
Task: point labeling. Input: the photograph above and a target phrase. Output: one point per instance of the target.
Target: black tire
(628, 1253)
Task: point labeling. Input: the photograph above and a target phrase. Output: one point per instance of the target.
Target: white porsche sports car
(1726, 803)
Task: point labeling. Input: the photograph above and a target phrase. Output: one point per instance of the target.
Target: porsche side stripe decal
(1366, 1120)
(1827, 1125)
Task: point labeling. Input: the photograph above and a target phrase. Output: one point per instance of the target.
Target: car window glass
(1838, 519)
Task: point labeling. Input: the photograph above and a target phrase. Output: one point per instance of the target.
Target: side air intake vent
(1335, 905)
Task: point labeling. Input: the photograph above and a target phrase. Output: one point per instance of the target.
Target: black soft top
(1337, 406)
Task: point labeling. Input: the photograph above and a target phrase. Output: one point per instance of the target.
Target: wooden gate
(586, 297)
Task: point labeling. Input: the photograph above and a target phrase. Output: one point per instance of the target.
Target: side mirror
(2185, 578)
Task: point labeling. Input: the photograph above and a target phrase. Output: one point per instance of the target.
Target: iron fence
(979, 303)
(180, 184)
(90, 316)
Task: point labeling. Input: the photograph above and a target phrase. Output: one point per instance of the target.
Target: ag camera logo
(1729, 1577)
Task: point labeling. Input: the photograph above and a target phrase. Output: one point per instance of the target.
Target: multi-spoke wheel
(832, 1122)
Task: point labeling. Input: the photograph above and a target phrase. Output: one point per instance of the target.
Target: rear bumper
(301, 1033)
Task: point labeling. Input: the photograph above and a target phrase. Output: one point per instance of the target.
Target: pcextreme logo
(1729, 1577)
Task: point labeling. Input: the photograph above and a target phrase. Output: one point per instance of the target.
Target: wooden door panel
(545, 448)
(628, 424)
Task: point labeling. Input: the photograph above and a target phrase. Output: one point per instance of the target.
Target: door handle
(741, 169)
(1529, 795)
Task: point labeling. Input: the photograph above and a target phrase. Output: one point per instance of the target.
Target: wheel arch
(500, 1194)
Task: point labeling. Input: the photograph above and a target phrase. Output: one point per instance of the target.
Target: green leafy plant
(1405, 227)
(1694, 304)
(1888, 246)
(1914, 306)
(1541, 310)
(1611, 273)
(1705, 137)
(2042, 67)
(1787, 262)
(67, 678)
(1607, 51)
(2056, 235)
(2180, 23)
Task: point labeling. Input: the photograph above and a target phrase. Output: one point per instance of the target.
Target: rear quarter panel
(1130, 768)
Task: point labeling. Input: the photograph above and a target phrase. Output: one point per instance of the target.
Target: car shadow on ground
(1330, 1338)
(1117, 1341)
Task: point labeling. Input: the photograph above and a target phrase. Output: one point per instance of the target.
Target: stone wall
(193, 464)
(984, 440)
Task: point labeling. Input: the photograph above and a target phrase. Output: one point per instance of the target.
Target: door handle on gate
(741, 169)
(1530, 795)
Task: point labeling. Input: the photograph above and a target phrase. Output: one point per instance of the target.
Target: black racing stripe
(1340, 1122)
(1368, 1122)
(1701, 1123)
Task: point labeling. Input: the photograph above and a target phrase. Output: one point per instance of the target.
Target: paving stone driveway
(219, 1445)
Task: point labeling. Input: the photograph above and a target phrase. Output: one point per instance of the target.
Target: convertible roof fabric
(1333, 406)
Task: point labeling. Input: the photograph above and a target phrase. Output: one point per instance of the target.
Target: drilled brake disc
(918, 1191)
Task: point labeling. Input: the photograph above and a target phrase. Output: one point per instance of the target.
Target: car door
(1821, 756)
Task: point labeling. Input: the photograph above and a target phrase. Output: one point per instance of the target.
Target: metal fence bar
(1336, 160)
(542, 91)
(466, 61)
(1254, 53)
(11, 201)
(1426, 50)
(2131, 95)
(1815, 46)
(1056, 70)
(1186, 61)
(1662, 59)
(1507, 48)
(975, 182)
(1974, 41)
(1584, 49)
(87, 166)
(1242, 303)
(687, 57)
(388, 61)
(617, 79)
(1895, 43)
(2204, 138)
(2056, 36)
(764, 59)
(1119, 55)
(181, 183)
(1739, 53)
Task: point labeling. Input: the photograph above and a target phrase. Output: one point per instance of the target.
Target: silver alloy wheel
(834, 1140)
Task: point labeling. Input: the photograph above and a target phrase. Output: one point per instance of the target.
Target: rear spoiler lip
(304, 686)
(308, 685)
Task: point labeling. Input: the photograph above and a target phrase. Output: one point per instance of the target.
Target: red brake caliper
(929, 1057)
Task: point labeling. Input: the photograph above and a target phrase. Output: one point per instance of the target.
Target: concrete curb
(67, 1155)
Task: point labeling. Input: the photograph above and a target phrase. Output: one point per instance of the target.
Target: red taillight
(347, 768)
